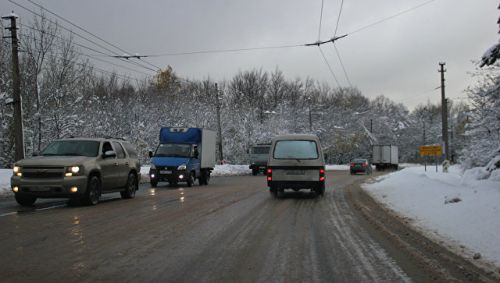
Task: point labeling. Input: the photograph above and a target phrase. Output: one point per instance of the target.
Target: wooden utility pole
(444, 113)
(16, 87)
(219, 127)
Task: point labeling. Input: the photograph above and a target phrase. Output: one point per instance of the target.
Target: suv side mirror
(150, 153)
(109, 154)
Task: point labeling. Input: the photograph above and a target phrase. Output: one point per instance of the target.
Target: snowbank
(337, 167)
(446, 206)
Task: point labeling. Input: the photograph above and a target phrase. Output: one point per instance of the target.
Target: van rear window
(295, 149)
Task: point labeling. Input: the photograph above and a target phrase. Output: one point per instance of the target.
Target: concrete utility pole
(444, 113)
(219, 127)
(16, 86)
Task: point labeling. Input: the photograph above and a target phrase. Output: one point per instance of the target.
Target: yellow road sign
(431, 150)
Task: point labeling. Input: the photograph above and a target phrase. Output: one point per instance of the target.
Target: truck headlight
(182, 167)
(72, 170)
(17, 171)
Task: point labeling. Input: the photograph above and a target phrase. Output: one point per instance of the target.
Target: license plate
(165, 172)
(295, 172)
(40, 189)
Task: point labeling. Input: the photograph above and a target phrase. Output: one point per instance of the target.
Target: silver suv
(80, 169)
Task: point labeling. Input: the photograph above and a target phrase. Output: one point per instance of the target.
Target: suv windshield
(173, 150)
(295, 150)
(261, 150)
(72, 148)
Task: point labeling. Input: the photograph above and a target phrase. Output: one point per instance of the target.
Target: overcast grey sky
(398, 58)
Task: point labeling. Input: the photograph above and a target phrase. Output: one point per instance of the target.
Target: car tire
(131, 187)
(25, 200)
(190, 179)
(93, 192)
(321, 190)
(204, 177)
(273, 191)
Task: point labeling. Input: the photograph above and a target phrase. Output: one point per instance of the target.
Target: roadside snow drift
(448, 206)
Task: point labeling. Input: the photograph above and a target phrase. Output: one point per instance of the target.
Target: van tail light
(321, 174)
(269, 174)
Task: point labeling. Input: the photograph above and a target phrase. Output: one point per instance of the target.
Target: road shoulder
(422, 258)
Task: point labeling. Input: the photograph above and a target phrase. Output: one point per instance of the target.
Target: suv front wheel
(93, 191)
(131, 187)
(25, 200)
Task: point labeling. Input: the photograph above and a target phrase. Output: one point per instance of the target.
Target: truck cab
(259, 154)
(183, 155)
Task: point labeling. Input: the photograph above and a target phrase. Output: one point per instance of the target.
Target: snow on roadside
(448, 206)
(337, 167)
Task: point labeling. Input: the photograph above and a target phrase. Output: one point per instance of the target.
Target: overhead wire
(86, 31)
(391, 17)
(80, 45)
(342, 64)
(60, 56)
(320, 19)
(329, 67)
(79, 35)
(338, 18)
(89, 56)
(335, 45)
(224, 50)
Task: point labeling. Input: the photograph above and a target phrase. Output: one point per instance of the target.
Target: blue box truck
(183, 155)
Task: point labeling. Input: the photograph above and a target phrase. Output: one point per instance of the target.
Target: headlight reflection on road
(152, 192)
(182, 199)
(78, 238)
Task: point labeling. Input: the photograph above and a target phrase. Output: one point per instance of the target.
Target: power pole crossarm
(332, 40)
(16, 86)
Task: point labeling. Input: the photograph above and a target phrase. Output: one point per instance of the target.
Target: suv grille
(43, 173)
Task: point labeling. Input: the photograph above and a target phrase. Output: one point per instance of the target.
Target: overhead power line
(224, 50)
(329, 67)
(78, 35)
(342, 64)
(87, 55)
(87, 48)
(391, 17)
(320, 20)
(338, 18)
(90, 33)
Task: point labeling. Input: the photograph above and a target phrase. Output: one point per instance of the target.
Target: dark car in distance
(360, 165)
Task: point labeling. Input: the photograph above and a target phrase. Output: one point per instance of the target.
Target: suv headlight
(182, 167)
(17, 171)
(72, 171)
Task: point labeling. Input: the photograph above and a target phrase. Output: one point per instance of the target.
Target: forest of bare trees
(65, 95)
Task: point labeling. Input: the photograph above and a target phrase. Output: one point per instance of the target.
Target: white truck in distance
(385, 156)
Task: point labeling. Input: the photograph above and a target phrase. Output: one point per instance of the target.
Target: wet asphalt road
(229, 231)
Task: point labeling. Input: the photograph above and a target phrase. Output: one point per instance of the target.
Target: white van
(296, 162)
